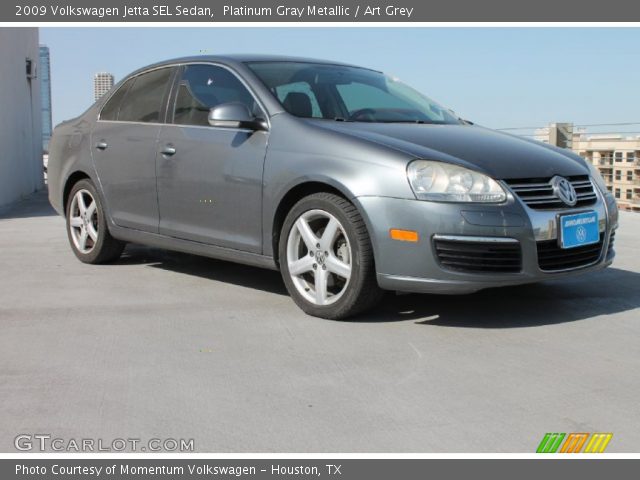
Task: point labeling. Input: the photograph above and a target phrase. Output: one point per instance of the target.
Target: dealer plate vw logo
(563, 189)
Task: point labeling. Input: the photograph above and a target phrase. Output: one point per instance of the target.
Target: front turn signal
(403, 235)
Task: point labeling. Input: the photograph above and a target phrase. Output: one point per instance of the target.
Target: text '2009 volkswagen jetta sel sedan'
(346, 180)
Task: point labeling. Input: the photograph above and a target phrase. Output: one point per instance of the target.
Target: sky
(496, 77)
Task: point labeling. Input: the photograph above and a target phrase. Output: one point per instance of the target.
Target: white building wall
(20, 118)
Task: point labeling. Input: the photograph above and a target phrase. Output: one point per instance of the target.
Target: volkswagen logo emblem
(563, 189)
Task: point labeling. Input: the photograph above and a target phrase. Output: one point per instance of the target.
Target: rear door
(124, 146)
(210, 183)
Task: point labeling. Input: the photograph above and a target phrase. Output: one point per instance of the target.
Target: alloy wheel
(319, 257)
(83, 221)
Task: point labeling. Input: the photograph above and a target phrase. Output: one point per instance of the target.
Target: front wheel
(87, 226)
(326, 258)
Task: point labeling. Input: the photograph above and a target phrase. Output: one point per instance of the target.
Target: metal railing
(605, 161)
(625, 181)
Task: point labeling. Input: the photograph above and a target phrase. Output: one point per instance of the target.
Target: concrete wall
(20, 117)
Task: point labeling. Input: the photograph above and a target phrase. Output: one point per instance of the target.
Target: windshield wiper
(421, 122)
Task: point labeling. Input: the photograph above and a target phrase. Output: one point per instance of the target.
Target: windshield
(312, 90)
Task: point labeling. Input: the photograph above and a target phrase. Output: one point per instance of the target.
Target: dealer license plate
(579, 229)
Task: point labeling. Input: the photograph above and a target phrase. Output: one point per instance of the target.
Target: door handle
(102, 145)
(168, 150)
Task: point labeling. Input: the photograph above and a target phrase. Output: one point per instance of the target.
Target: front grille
(479, 257)
(551, 257)
(537, 192)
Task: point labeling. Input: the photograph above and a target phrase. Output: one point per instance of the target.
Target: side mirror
(235, 115)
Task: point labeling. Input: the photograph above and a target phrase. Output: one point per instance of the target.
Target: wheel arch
(72, 179)
(296, 193)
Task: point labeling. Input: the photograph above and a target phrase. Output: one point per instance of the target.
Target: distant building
(102, 83)
(616, 156)
(558, 134)
(618, 159)
(45, 96)
(20, 123)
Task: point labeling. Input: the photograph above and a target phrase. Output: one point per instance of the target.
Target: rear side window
(112, 107)
(203, 87)
(143, 100)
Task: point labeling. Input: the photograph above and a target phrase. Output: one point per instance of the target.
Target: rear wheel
(326, 258)
(87, 228)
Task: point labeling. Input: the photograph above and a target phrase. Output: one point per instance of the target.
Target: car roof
(231, 59)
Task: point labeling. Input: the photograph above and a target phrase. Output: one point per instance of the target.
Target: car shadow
(208, 268)
(34, 205)
(567, 300)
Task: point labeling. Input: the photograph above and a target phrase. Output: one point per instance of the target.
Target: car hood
(498, 154)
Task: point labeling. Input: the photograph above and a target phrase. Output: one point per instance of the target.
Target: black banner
(368, 11)
(418, 469)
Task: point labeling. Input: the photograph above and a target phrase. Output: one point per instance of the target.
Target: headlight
(596, 176)
(443, 182)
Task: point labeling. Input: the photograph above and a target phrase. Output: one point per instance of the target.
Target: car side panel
(127, 171)
(69, 153)
(299, 152)
(210, 191)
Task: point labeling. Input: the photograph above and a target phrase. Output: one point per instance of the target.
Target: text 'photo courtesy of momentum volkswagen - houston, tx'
(346, 180)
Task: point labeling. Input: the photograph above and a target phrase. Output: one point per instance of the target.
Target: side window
(143, 101)
(112, 107)
(292, 96)
(203, 87)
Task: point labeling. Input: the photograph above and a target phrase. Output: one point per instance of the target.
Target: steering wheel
(363, 114)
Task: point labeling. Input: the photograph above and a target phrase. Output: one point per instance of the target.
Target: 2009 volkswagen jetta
(345, 179)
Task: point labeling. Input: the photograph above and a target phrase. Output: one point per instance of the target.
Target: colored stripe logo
(574, 442)
(598, 443)
(550, 443)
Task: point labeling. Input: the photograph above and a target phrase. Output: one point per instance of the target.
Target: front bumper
(414, 267)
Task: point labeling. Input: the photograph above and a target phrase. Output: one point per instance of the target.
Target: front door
(210, 178)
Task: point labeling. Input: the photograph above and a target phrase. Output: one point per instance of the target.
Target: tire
(341, 261)
(87, 228)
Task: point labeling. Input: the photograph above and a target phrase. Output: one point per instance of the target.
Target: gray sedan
(346, 180)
